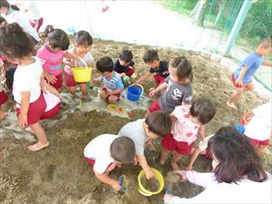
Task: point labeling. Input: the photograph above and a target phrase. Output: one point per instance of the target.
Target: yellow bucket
(82, 74)
(157, 188)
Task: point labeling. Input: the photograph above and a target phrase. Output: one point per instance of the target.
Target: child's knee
(113, 99)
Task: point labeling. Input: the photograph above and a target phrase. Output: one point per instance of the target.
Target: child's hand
(239, 82)
(149, 174)
(135, 161)
(51, 78)
(22, 120)
(116, 186)
(122, 74)
(182, 173)
(152, 93)
(167, 198)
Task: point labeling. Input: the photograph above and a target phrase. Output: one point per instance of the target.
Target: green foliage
(257, 24)
(180, 6)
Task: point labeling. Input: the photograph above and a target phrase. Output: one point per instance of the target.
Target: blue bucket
(134, 92)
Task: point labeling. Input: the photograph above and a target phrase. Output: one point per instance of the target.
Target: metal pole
(237, 26)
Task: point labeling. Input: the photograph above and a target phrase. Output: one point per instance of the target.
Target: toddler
(112, 83)
(124, 66)
(187, 122)
(107, 151)
(3, 95)
(52, 54)
(31, 105)
(242, 76)
(83, 42)
(158, 68)
(143, 132)
(178, 87)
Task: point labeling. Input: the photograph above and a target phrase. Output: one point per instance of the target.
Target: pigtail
(48, 29)
(14, 7)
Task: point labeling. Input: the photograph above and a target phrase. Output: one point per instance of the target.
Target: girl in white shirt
(238, 174)
(31, 104)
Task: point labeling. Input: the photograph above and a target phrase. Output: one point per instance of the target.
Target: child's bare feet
(2, 116)
(174, 166)
(162, 160)
(231, 105)
(38, 146)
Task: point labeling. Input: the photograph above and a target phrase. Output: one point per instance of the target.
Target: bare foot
(174, 166)
(2, 116)
(38, 146)
(162, 160)
(231, 105)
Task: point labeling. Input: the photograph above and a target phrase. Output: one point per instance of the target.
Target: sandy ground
(59, 174)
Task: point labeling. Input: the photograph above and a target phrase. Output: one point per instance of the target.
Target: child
(238, 173)
(107, 151)
(30, 102)
(242, 76)
(258, 126)
(83, 42)
(178, 87)
(3, 95)
(124, 66)
(52, 54)
(144, 131)
(188, 121)
(160, 68)
(112, 83)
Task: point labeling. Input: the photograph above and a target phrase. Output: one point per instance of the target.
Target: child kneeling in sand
(107, 151)
(143, 132)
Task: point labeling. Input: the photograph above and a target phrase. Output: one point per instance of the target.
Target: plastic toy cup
(133, 76)
(126, 79)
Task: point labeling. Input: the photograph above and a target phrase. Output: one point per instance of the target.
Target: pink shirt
(52, 62)
(184, 129)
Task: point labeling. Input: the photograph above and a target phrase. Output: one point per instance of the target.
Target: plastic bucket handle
(140, 86)
(82, 60)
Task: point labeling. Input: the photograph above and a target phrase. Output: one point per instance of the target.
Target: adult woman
(238, 175)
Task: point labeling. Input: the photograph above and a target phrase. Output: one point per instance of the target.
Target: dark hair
(236, 156)
(150, 56)
(14, 42)
(6, 4)
(83, 38)
(203, 109)
(183, 68)
(159, 123)
(2, 20)
(126, 55)
(57, 38)
(104, 64)
(122, 149)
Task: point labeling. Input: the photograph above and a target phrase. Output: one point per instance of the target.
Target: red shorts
(117, 95)
(158, 79)
(70, 80)
(233, 81)
(208, 154)
(58, 84)
(91, 162)
(155, 106)
(36, 111)
(255, 142)
(3, 97)
(170, 144)
(129, 72)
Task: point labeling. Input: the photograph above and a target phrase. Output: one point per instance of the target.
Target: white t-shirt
(245, 191)
(33, 10)
(88, 58)
(135, 131)
(20, 18)
(27, 79)
(98, 149)
(259, 127)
